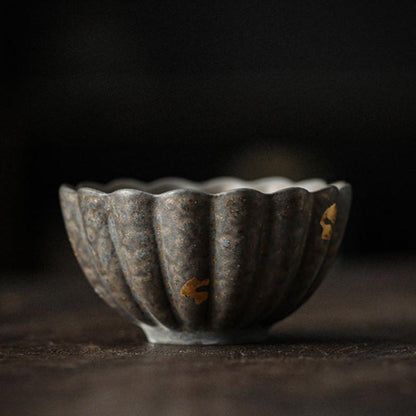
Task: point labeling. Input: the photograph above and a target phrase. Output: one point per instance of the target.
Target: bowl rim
(180, 185)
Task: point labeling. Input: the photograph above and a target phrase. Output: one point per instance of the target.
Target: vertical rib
(131, 229)
(79, 242)
(93, 206)
(289, 213)
(237, 224)
(314, 254)
(182, 230)
(343, 208)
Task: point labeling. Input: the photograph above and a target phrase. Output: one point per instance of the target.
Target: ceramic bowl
(206, 263)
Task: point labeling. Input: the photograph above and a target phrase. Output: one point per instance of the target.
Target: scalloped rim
(265, 186)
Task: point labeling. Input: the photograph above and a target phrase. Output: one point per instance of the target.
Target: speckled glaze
(206, 263)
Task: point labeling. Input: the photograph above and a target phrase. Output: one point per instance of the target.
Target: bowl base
(160, 335)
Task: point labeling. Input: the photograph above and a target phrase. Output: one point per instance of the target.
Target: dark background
(106, 89)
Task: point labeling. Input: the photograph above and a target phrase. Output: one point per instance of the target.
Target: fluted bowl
(206, 263)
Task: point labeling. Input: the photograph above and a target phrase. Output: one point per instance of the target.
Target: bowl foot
(160, 335)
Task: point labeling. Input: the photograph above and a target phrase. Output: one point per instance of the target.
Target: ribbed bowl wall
(190, 260)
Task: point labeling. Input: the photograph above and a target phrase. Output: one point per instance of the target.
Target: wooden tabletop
(351, 350)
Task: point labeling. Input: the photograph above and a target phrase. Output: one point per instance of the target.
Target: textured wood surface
(351, 350)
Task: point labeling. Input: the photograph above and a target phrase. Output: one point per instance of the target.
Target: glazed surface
(214, 256)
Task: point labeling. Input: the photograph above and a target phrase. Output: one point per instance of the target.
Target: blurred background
(96, 90)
